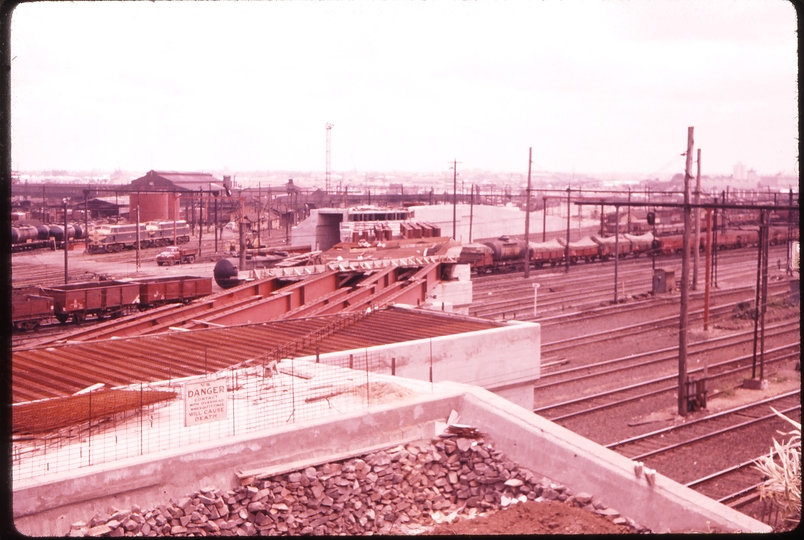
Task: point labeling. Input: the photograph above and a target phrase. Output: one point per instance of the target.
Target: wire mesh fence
(106, 425)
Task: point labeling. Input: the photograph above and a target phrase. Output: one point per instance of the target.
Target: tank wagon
(508, 253)
(28, 237)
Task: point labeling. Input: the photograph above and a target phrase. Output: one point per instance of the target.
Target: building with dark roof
(168, 195)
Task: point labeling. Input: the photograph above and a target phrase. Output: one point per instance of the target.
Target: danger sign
(204, 401)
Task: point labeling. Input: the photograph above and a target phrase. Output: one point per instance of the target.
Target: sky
(592, 86)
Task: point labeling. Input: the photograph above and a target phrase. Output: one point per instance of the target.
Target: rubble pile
(401, 490)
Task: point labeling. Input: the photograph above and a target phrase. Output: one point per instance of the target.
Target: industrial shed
(168, 195)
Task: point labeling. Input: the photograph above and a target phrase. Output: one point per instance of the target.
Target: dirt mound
(547, 517)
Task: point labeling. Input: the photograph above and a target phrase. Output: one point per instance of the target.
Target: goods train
(28, 237)
(32, 306)
(507, 253)
(114, 238)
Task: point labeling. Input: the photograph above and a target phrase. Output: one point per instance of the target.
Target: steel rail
(628, 330)
(592, 313)
(704, 419)
(655, 381)
(713, 433)
(726, 471)
(704, 347)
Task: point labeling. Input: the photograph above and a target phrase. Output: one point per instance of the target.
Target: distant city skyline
(599, 88)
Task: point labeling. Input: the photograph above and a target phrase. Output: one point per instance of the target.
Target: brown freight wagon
(29, 307)
(154, 292)
(97, 298)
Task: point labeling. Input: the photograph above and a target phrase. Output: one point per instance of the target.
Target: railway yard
(609, 355)
(610, 371)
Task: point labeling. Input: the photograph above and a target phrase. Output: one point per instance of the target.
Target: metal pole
(765, 240)
(544, 219)
(708, 268)
(175, 217)
(138, 234)
(566, 248)
(714, 245)
(697, 219)
(527, 219)
(454, 195)
(471, 212)
(66, 241)
(616, 248)
(685, 285)
(789, 231)
(241, 223)
(628, 225)
(200, 222)
(86, 220)
(757, 297)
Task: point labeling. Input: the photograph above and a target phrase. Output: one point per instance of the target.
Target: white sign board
(204, 401)
(795, 256)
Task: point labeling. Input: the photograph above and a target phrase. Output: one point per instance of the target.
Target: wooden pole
(685, 285)
(527, 219)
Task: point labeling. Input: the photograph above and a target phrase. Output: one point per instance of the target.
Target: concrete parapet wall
(548, 449)
(49, 508)
(506, 358)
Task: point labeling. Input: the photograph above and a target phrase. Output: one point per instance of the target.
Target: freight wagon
(96, 298)
(28, 237)
(29, 307)
(183, 289)
(508, 253)
(32, 306)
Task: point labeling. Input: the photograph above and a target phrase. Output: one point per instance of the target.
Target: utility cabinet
(663, 281)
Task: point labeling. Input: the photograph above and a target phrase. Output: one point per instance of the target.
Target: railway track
(670, 450)
(609, 399)
(556, 377)
(657, 442)
(510, 296)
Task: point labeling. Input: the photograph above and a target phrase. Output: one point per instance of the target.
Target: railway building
(159, 193)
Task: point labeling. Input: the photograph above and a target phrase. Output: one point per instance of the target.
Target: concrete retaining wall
(49, 507)
(507, 359)
(553, 451)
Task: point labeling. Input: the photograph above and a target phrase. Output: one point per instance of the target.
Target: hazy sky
(594, 86)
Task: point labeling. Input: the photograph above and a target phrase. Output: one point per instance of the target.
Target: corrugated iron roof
(62, 370)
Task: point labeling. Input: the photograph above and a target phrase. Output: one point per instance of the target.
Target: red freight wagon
(29, 307)
(100, 299)
(183, 289)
